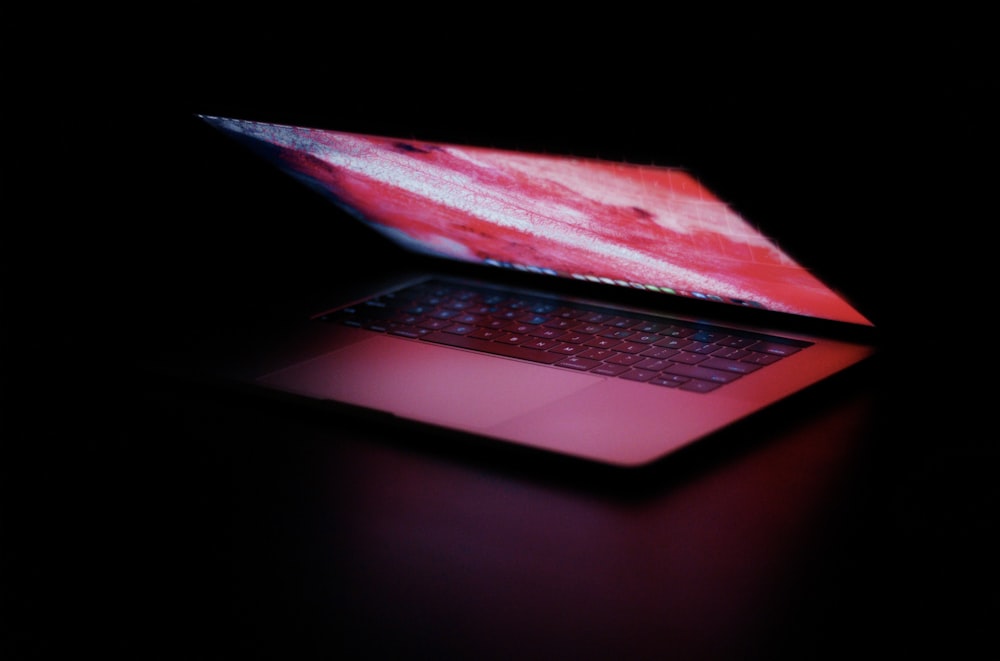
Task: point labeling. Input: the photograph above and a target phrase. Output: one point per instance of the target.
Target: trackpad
(425, 382)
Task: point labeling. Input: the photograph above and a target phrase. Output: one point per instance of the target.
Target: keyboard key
(774, 348)
(638, 375)
(579, 363)
(698, 372)
(729, 365)
(697, 385)
(497, 348)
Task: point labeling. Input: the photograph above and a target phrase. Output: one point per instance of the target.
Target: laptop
(609, 311)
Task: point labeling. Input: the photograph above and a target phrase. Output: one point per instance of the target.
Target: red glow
(636, 225)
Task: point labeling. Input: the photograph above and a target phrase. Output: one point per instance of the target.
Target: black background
(866, 147)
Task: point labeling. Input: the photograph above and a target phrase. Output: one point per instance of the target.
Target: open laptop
(604, 310)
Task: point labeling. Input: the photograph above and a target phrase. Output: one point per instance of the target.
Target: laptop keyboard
(569, 335)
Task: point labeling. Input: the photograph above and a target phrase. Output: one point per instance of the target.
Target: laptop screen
(643, 227)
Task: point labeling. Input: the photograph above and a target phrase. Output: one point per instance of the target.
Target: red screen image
(641, 226)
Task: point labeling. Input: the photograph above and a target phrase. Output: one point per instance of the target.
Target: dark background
(128, 506)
